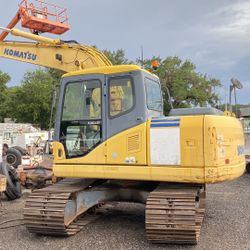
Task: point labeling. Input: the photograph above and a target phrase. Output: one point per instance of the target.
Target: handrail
(52, 10)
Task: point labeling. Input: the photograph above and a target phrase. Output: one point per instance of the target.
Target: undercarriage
(174, 212)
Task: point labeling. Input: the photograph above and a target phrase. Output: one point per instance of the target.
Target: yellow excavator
(112, 143)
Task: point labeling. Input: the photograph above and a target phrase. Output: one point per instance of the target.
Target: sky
(214, 35)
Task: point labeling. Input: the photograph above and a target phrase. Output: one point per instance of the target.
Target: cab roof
(108, 70)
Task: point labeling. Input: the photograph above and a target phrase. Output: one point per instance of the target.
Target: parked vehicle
(245, 120)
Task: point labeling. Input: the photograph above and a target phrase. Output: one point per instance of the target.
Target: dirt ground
(226, 225)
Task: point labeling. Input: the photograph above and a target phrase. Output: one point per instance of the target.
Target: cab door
(80, 127)
(125, 120)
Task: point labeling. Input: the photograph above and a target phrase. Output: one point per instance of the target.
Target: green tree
(117, 57)
(4, 79)
(31, 102)
(55, 74)
(186, 86)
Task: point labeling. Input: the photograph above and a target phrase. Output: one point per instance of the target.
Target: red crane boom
(40, 16)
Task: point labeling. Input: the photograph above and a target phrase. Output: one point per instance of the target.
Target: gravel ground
(226, 225)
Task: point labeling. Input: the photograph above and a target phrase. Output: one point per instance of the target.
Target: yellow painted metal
(199, 145)
(96, 156)
(70, 57)
(192, 139)
(229, 113)
(151, 173)
(52, 53)
(42, 39)
(224, 146)
(3, 183)
(108, 70)
(128, 146)
(113, 151)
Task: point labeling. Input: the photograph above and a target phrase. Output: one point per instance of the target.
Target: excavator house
(113, 143)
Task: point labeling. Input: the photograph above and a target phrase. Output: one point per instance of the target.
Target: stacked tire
(14, 156)
(13, 188)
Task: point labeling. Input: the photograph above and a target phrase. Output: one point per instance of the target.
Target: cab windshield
(82, 101)
(81, 117)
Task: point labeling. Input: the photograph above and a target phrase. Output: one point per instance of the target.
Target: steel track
(174, 214)
(44, 211)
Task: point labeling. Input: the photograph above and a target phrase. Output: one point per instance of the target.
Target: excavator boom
(52, 53)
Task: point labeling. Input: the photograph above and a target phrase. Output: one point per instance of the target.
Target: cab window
(82, 101)
(121, 96)
(153, 93)
(81, 129)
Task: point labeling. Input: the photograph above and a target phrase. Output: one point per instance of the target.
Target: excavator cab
(94, 107)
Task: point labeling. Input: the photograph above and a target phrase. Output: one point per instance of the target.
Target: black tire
(248, 167)
(20, 149)
(13, 189)
(13, 157)
(5, 148)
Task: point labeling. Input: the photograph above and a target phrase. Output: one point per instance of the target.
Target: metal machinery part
(55, 210)
(39, 16)
(65, 56)
(174, 213)
(36, 177)
(3, 183)
(36, 173)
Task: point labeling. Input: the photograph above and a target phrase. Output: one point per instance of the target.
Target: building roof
(245, 112)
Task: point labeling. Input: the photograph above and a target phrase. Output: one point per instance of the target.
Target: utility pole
(236, 84)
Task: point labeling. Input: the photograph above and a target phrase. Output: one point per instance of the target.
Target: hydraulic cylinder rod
(42, 39)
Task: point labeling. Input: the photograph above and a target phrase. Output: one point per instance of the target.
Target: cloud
(234, 20)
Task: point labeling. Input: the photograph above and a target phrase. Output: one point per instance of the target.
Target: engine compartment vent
(134, 142)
